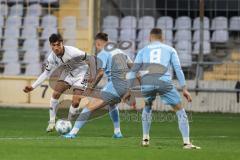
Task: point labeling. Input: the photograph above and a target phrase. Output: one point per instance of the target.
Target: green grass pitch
(23, 137)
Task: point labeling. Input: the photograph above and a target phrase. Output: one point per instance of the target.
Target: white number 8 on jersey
(155, 55)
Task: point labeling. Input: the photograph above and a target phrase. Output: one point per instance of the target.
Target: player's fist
(28, 89)
(187, 95)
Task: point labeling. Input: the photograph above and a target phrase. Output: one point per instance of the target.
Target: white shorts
(77, 80)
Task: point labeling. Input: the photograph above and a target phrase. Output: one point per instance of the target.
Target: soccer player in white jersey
(74, 74)
(115, 64)
(157, 59)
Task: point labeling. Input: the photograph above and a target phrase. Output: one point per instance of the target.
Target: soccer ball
(63, 126)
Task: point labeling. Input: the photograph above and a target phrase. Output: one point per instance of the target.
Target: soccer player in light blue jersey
(115, 64)
(155, 61)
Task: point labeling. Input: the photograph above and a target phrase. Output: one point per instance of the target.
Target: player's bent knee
(177, 107)
(56, 95)
(75, 104)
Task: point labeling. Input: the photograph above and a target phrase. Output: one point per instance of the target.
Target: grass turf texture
(22, 137)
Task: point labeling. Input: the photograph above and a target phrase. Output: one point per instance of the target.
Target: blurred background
(205, 33)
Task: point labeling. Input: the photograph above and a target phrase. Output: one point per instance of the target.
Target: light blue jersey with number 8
(164, 55)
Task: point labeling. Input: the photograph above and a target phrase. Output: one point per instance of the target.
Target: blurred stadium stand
(180, 22)
(26, 25)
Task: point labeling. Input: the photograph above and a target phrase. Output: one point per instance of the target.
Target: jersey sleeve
(178, 69)
(102, 59)
(77, 53)
(50, 65)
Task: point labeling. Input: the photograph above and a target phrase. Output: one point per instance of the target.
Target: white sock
(81, 120)
(183, 125)
(53, 109)
(116, 130)
(73, 110)
(146, 136)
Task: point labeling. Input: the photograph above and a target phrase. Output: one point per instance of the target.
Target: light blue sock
(81, 120)
(114, 115)
(183, 125)
(146, 121)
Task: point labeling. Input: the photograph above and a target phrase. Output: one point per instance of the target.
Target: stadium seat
(46, 47)
(184, 50)
(13, 68)
(31, 56)
(206, 47)
(48, 31)
(167, 35)
(112, 34)
(12, 32)
(3, 10)
(1, 34)
(48, 1)
(16, 10)
(29, 32)
(49, 21)
(34, 10)
(30, 44)
(110, 22)
(10, 56)
(33, 1)
(127, 35)
(184, 46)
(15, 1)
(219, 23)
(69, 22)
(220, 36)
(15, 21)
(128, 22)
(185, 58)
(206, 35)
(196, 23)
(183, 22)
(31, 21)
(10, 44)
(33, 69)
(165, 22)
(234, 23)
(146, 22)
(143, 35)
(183, 35)
(142, 44)
(70, 34)
(1, 21)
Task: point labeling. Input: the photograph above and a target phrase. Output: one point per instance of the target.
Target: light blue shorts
(168, 93)
(112, 93)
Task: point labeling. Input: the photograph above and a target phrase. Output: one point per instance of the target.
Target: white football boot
(190, 146)
(50, 127)
(145, 142)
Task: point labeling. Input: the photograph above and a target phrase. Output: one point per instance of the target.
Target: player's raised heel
(145, 142)
(118, 135)
(190, 146)
(50, 127)
(69, 136)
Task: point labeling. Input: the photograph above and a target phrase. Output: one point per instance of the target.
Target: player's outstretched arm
(99, 76)
(38, 82)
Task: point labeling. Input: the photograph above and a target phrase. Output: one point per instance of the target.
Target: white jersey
(68, 61)
(73, 65)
